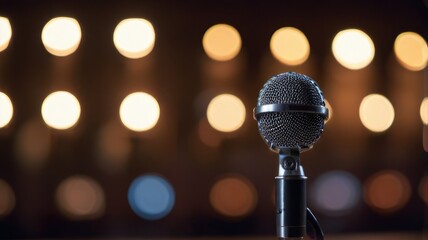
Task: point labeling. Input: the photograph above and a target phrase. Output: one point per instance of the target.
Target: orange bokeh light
(233, 196)
(387, 191)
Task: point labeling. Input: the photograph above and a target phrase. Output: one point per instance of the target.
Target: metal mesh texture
(290, 129)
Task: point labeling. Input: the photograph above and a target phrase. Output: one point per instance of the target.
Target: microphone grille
(290, 87)
(290, 129)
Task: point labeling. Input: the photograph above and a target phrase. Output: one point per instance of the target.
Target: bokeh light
(330, 109)
(61, 36)
(425, 138)
(134, 37)
(222, 42)
(424, 111)
(7, 198)
(113, 147)
(376, 112)
(61, 110)
(353, 49)
(139, 111)
(290, 46)
(80, 197)
(6, 109)
(151, 197)
(423, 189)
(387, 191)
(336, 193)
(233, 196)
(226, 113)
(411, 51)
(207, 134)
(5, 33)
(33, 144)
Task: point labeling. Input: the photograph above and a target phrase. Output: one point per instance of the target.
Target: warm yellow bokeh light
(6, 110)
(61, 36)
(376, 113)
(80, 197)
(290, 46)
(353, 49)
(139, 111)
(424, 111)
(411, 51)
(134, 37)
(226, 113)
(5, 33)
(222, 42)
(61, 110)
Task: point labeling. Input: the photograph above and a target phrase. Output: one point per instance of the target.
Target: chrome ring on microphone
(286, 107)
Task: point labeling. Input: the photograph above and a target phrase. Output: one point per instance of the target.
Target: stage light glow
(233, 196)
(6, 109)
(336, 193)
(33, 144)
(376, 113)
(226, 113)
(5, 33)
(290, 46)
(139, 111)
(353, 49)
(387, 191)
(7, 198)
(61, 36)
(424, 111)
(80, 197)
(222, 42)
(134, 37)
(151, 197)
(411, 51)
(423, 189)
(61, 110)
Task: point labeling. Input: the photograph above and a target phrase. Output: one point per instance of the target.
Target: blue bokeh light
(151, 196)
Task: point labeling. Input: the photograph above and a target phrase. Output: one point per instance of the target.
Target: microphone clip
(289, 162)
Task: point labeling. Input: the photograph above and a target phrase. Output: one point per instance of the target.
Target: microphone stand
(292, 214)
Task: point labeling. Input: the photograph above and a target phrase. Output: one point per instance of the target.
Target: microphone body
(290, 196)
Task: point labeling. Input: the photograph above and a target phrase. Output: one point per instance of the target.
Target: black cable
(312, 222)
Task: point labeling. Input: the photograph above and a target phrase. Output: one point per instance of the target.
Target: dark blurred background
(76, 182)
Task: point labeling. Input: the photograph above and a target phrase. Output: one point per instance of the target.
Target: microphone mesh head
(290, 129)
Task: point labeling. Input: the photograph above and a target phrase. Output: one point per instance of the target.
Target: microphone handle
(291, 206)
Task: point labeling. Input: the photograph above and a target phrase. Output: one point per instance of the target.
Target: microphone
(290, 115)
